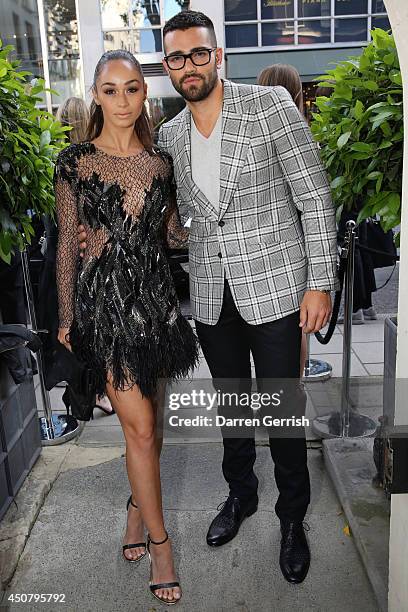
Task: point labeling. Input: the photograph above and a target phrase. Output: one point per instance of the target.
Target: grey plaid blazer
(270, 170)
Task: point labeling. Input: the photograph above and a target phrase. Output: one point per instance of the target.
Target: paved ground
(71, 512)
(74, 546)
(385, 300)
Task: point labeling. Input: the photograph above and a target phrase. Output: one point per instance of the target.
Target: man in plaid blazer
(270, 168)
(262, 257)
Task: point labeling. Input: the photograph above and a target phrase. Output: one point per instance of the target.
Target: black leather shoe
(294, 559)
(226, 524)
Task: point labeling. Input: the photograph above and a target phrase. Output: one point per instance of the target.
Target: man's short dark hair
(190, 19)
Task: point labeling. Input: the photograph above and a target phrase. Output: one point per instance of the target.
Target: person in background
(288, 77)
(364, 283)
(322, 92)
(74, 112)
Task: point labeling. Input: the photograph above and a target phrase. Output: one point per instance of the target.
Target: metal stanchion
(347, 423)
(315, 369)
(55, 428)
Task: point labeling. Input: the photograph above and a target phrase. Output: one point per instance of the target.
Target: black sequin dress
(119, 301)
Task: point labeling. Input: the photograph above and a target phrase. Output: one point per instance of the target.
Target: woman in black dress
(118, 309)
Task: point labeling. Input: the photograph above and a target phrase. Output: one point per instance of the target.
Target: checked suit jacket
(270, 170)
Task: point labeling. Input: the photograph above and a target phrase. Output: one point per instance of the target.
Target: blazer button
(220, 255)
(221, 223)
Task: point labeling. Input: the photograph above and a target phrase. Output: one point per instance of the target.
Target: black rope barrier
(337, 298)
(363, 247)
(336, 307)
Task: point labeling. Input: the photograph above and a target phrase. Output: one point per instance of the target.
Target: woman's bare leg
(138, 420)
(135, 527)
(158, 406)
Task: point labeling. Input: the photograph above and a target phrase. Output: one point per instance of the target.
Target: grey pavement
(65, 531)
(75, 544)
(385, 300)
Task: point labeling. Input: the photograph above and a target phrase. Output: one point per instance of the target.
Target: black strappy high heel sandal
(162, 585)
(137, 545)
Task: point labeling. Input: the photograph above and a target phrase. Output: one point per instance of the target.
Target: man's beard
(197, 93)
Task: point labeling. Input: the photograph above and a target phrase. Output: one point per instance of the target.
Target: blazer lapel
(236, 135)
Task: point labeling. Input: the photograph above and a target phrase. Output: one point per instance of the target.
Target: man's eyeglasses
(201, 57)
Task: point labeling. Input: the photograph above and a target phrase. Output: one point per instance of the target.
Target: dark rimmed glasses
(200, 57)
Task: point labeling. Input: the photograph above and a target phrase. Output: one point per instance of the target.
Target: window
(314, 32)
(241, 36)
(240, 10)
(20, 27)
(277, 9)
(63, 48)
(136, 25)
(281, 33)
(350, 30)
(381, 22)
(17, 34)
(251, 24)
(350, 7)
(122, 39)
(378, 6)
(322, 8)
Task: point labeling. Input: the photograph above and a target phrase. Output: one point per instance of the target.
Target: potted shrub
(360, 130)
(30, 138)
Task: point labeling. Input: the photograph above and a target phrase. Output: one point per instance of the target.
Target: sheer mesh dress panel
(119, 300)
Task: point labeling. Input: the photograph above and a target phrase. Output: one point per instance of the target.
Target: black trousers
(275, 348)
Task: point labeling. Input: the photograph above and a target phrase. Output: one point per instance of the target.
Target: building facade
(62, 40)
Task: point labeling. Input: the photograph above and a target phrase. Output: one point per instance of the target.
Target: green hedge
(360, 130)
(30, 139)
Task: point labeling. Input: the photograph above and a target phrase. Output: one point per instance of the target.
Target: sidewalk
(75, 544)
(71, 516)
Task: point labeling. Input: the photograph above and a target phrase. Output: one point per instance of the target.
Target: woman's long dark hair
(288, 77)
(143, 127)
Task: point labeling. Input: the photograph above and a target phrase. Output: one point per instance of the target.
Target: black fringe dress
(119, 301)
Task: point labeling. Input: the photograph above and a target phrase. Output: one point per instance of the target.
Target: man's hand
(82, 239)
(315, 311)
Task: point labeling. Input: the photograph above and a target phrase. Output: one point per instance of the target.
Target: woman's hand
(63, 334)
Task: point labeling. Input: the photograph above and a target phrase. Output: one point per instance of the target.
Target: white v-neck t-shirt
(206, 161)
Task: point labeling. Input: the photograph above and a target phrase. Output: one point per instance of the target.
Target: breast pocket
(269, 239)
(245, 183)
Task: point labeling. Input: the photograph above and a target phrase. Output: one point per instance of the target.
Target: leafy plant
(30, 139)
(360, 130)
